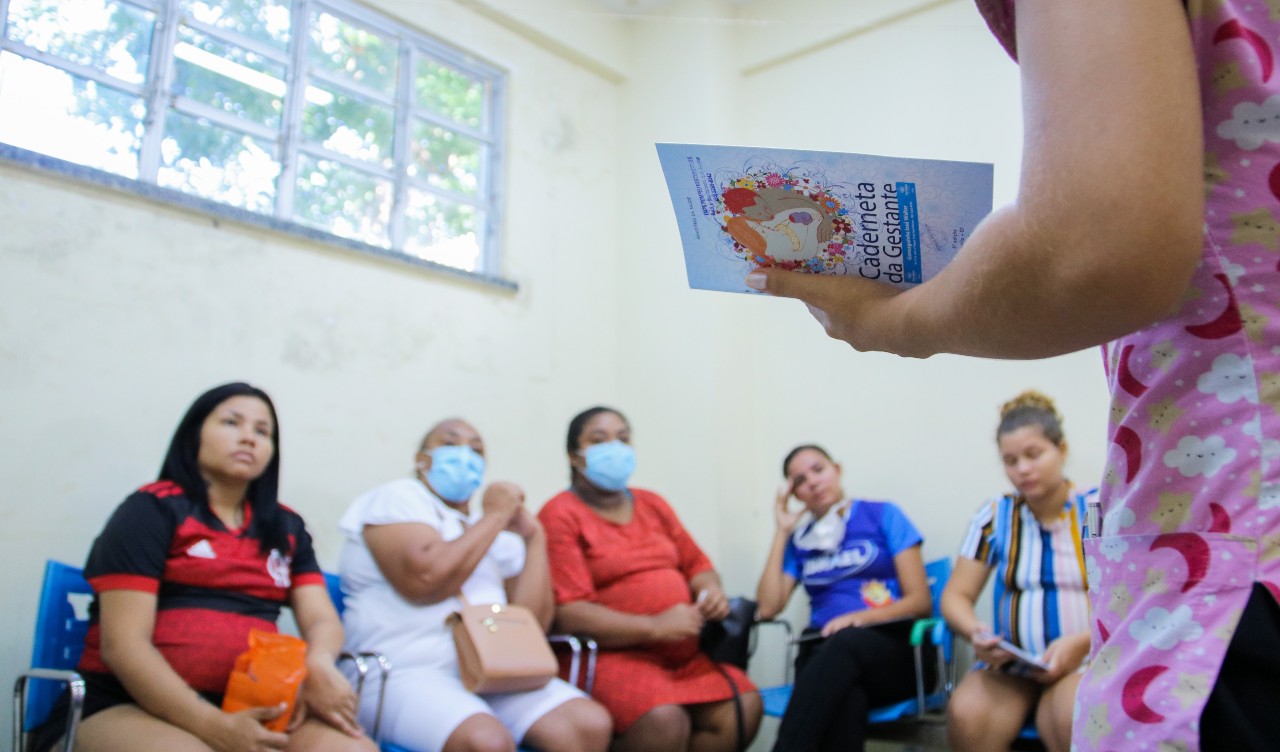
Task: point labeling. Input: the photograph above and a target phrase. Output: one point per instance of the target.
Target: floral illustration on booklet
(787, 218)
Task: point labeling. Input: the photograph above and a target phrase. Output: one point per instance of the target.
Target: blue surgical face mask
(609, 465)
(455, 472)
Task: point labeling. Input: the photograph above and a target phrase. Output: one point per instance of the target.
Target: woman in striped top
(1031, 541)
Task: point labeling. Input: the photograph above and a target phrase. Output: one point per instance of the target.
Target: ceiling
(634, 6)
(644, 6)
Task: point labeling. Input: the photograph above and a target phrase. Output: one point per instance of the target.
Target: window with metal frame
(318, 113)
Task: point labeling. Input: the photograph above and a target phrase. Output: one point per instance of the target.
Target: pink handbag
(501, 648)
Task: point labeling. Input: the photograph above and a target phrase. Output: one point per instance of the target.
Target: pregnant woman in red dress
(628, 574)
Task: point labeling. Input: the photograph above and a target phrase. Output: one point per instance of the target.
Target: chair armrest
(944, 639)
(789, 643)
(593, 651)
(789, 657)
(939, 635)
(362, 670)
(361, 662)
(776, 622)
(922, 626)
(74, 682)
(577, 645)
(575, 653)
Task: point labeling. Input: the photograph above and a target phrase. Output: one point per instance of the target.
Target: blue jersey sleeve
(899, 533)
(791, 561)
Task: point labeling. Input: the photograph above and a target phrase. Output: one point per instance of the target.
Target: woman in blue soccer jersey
(860, 563)
(184, 568)
(1031, 540)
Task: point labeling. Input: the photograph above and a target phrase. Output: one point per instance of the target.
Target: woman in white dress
(412, 547)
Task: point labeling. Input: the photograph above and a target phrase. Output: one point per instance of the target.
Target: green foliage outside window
(226, 128)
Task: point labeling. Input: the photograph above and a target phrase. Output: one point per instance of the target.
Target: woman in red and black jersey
(185, 567)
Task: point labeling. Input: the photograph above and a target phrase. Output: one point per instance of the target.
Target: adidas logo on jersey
(202, 550)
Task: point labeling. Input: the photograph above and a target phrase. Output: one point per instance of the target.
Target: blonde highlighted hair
(1031, 408)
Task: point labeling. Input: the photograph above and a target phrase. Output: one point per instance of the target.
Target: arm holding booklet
(1011, 292)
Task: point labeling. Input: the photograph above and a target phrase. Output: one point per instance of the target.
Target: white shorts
(424, 706)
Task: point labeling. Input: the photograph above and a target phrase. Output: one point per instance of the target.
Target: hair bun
(1031, 399)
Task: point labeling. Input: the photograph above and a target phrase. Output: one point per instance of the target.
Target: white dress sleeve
(389, 504)
(508, 553)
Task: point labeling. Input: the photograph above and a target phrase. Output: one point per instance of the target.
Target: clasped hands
(505, 500)
(685, 620)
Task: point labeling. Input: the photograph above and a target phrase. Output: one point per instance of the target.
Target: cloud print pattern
(1164, 630)
(1252, 125)
(1195, 456)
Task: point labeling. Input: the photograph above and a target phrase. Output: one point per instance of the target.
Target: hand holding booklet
(1023, 663)
(887, 219)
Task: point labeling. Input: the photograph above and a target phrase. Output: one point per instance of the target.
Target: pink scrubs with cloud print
(1191, 498)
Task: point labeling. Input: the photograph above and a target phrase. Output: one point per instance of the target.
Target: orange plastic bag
(268, 673)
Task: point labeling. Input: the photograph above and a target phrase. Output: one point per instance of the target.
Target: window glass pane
(443, 231)
(450, 93)
(227, 77)
(67, 117)
(266, 21)
(344, 201)
(112, 37)
(447, 159)
(217, 163)
(349, 125)
(356, 54)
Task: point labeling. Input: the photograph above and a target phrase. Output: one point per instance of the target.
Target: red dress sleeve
(570, 578)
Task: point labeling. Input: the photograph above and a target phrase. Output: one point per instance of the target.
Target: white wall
(117, 311)
(721, 386)
(740, 380)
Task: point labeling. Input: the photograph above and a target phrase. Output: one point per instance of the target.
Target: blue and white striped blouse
(1040, 587)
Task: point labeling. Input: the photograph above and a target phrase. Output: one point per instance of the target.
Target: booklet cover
(1023, 664)
(889, 219)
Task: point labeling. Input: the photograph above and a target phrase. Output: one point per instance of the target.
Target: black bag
(729, 640)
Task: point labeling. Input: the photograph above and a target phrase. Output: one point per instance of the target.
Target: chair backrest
(332, 582)
(62, 618)
(938, 572)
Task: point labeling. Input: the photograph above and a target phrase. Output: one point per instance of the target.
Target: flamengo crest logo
(278, 568)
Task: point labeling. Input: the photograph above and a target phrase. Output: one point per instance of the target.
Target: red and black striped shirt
(212, 585)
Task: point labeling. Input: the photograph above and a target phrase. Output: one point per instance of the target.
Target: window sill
(22, 158)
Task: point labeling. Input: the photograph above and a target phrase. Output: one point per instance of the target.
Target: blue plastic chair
(1028, 739)
(62, 618)
(935, 628)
